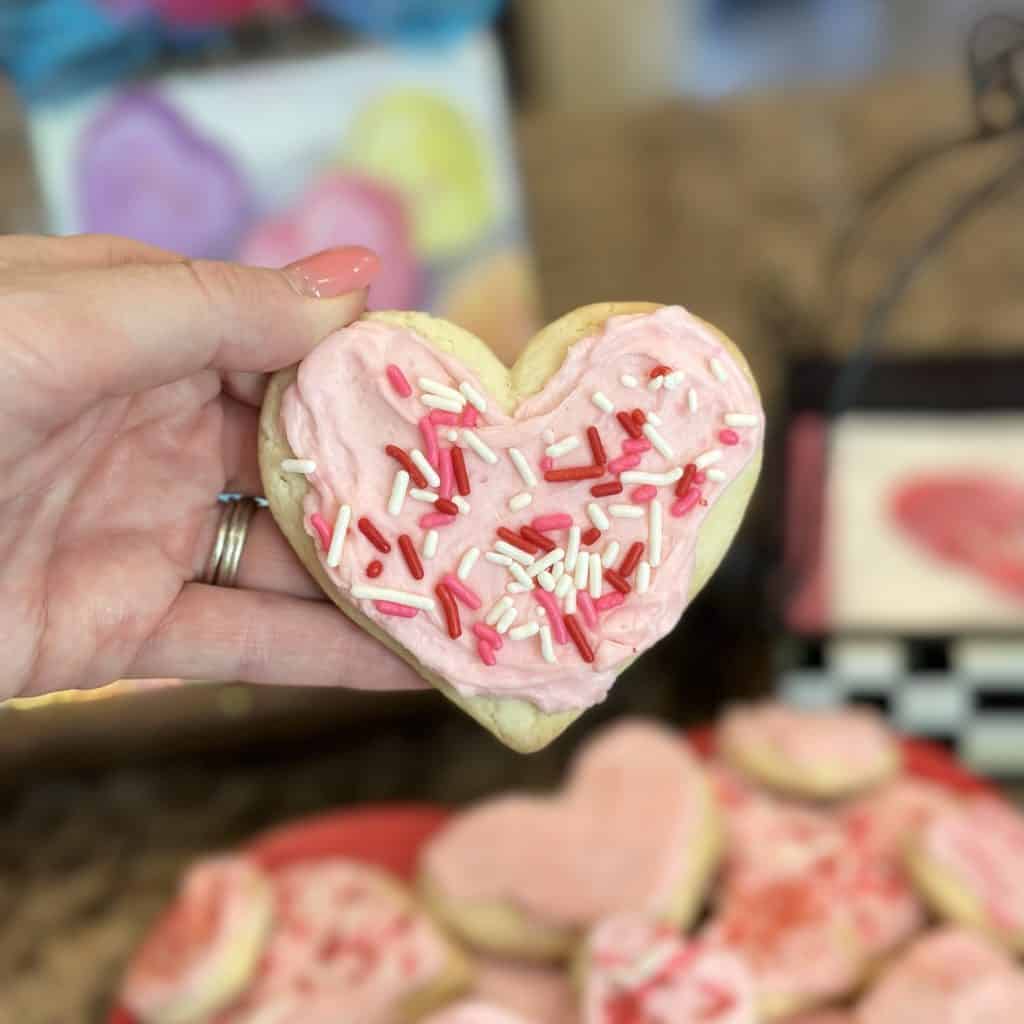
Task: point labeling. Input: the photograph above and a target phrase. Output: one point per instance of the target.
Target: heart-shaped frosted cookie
(518, 536)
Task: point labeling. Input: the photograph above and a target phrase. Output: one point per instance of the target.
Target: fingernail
(333, 272)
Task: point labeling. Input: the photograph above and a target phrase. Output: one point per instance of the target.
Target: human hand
(130, 387)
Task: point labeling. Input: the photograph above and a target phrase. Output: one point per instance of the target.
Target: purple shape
(144, 173)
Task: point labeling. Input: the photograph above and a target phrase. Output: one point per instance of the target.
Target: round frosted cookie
(542, 994)
(968, 864)
(475, 1012)
(952, 976)
(517, 536)
(820, 755)
(824, 1017)
(634, 829)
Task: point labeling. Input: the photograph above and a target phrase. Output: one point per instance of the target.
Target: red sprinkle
(686, 502)
(469, 415)
(546, 463)
(374, 569)
(557, 476)
(596, 446)
(638, 417)
(447, 506)
(643, 494)
(609, 601)
(578, 637)
(486, 652)
(464, 593)
(660, 370)
(459, 465)
(432, 520)
(585, 603)
(398, 381)
(411, 556)
(607, 488)
(538, 538)
(623, 462)
(554, 521)
(689, 472)
(446, 472)
(373, 535)
(403, 611)
(617, 581)
(406, 463)
(450, 609)
(632, 559)
(488, 634)
(728, 437)
(700, 477)
(324, 532)
(627, 424)
(516, 541)
(443, 418)
(550, 605)
(591, 536)
(632, 445)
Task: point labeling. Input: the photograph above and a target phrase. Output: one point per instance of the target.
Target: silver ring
(226, 555)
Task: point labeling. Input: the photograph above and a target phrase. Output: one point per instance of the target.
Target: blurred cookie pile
(807, 871)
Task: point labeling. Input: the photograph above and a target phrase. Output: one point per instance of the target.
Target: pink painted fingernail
(333, 272)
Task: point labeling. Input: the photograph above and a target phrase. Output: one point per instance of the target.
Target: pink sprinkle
(465, 594)
(728, 436)
(319, 524)
(488, 634)
(686, 502)
(469, 415)
(585, 603)
(429, 432)
(624, 462)
(550, 605)
(632, 445)
(608, 601)
(700, 476)
(398, 381)
(432, 520)
(554, 521)
(486, 652)
(446, 473)
(443, 418)
(641, 495)
(403, 611)
(547, 463)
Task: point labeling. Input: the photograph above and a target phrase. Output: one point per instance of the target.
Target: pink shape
(399, 381)
(683, 505)
(550, 605)
(429, 432)
(607, 602)
(633, 445)
(585, 603)
(623, 462)
(402, 611)
(324, 532)
(728, 437)
(464, 593)
(547, 463)
(469, 416)
(432, 520)
(443, 418)
(445, 471)
(554, 521)
(641, 495)
(486, 652)
(488, 634)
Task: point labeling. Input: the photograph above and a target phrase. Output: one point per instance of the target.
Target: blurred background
(511, 161)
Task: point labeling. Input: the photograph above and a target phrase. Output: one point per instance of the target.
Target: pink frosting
(544, 995)
(882, 822)
(342, 411)
(476, 1012)
(619, 838)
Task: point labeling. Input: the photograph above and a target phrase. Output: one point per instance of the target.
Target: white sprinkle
(579, 580)
(546, 580)
(740, 419)
(546, 561)
(522, 467)
(362, 592)
(596, 581)
(473, 396)
(655, 517)
(563, 447)
(418, 494)
(519, 575)
(691, 400)
(493, 556)
(516, 554)
(643, 576)
(602, 401)
(563, 585)
(298, 466)
(430, 543)
(519, 501)
(653, 417)
(572, 548)
(338, 538)
(570, 601)
(525, 631)
(479, 447)
(399, 488)
(419, 460)
(708, 458)
(445, 404)
(460, 503)
(452, 435)
(437, 388)
(652, 434)
(611, 552)
(655, 383)
(558, 570)
(715, 475)
(628, 380)
(597, 516)
(466, 563)
(517, 588)
(673, 380)
(548, 436)
(719, 370)
(497, 610)
(507, 618)
(547, 648)
(639, 476)
(627, 511)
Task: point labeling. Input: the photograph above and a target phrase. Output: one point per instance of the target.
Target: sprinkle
(643, 576)
(606, 489)
(570, 600)
(451, 435)
(689, 472)
(587, 609)
(514, 552)
(599, 455)
(626, 511)
(519, 501)
(486, 652)
(520, 542)
(464, 593)
(582, 570)
(418, 494)
(596, 580)
(655, 383)
(550, 605)
(658, 479)
(597, 516)
(493, 556)
(398, 381)
(692, 400)
(563, 447)
(563, 585)
(523, 467)
(639, 417)
(617, 581)
(338, 536)
(298, 466)
(716, 475)
(446, 472)
(461, 504)
(611, 552)
(374, 569)
(469, 416)
(547, 651)
(399, 489)
(642, 495)
(538, 538)
(546, 580)
(429, 432)
(437, 402)
(546, 561)
(572, 548)
(473, 396)
(552, 521)
(659, 371)
(488, 634)
(430, 542)
(507, 618)
(407, 464)
(419, 460)
(573, 473)
(432, 520)
(461, 476)
(683, 505)
(591, 536)
(518, 573)
(609, 601)
(442, 418)
(673, 380)
(653, 435)
(728, 437)
(633, 445)
(558, 570)
(654, 534)
(361, 592)
(627, 380)
(436, 388)
(448, 507)
(636, 549)
(319, 524)
(479, 447)
(653, 417)
(709, 458)
(624, 462)
(497, 610)
(450, 610)
(700, 476)
(740, 419)
(718, 370)
(601, 401)
(517, 588)
(373, 535)
(525, 631)
(578, 638)
(627, 424)
(411, 556)
(548, 436)
(547, 463)
(402, 611)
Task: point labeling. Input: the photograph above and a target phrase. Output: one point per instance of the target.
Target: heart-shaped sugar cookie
(520, 536)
